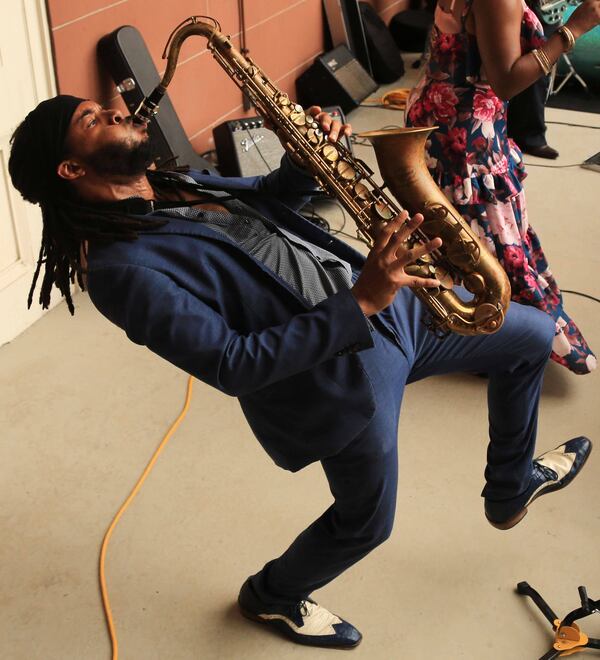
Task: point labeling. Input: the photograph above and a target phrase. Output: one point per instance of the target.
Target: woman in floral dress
(481, 55)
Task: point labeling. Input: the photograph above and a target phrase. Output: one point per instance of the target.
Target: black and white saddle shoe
(304, 622)
(551, 471)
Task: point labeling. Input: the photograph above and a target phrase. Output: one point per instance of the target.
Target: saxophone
(401, 157)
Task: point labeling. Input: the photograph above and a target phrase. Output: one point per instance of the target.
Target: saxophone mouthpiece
(149, 106)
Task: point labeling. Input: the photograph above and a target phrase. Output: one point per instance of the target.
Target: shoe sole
(509, 524)
(297, 640)
(516, 519)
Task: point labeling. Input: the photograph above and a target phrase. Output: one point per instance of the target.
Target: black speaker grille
(355, 80)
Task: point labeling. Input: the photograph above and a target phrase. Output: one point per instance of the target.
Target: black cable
(341, 208)
(566, 123)
(583, 295)
(336, 232)
(364, 142)
(316, 218)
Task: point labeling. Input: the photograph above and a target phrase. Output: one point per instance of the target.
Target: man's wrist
(366, 308)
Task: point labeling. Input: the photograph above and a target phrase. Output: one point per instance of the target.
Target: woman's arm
(497, 28)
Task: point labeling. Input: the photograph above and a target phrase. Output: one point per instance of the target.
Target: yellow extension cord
(121, 511)
(395, 99)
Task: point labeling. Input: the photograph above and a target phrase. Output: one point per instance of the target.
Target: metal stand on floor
(568, 638)
(572, 73)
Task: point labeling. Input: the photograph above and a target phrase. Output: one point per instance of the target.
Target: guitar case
(125, 55)
(386, 61)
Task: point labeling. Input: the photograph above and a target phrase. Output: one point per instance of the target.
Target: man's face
(107, 142)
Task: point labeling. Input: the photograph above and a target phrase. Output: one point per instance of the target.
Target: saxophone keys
(474, 283)
(463, 254)
(330, 153)
(362, 192)
(314, 136)
(419, 268)
(345, 170)
(298, 118)
(383, 211)
(443, 276)
(283, 100)
(488, 317)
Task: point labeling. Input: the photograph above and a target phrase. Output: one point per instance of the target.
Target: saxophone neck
(203, 26)
(194, 25)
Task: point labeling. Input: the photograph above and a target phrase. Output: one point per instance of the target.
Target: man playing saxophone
(224, 279)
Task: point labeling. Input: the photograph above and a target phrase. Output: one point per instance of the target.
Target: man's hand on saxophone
(383, 273)
(333, 128)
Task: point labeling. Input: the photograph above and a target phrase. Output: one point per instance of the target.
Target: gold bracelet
(567, 36)
(543, 64)
(544, 55)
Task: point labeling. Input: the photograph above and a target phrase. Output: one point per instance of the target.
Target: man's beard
(122, 158)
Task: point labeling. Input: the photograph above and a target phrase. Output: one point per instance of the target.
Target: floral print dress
(481, 171)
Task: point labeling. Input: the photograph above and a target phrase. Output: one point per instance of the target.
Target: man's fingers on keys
(410, 225)
(334, 130)
(418, 251)
(425, 282)
(404, 279)
(389, 234)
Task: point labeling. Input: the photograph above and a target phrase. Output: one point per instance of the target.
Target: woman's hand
(585, 18)
(383, 273)
(333, 128)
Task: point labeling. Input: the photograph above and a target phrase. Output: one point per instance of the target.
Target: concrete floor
(83, 409)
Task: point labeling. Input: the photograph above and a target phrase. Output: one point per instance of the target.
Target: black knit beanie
(38, 147)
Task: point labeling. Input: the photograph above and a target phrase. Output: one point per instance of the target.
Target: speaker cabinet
(246, 148)
(335, 78)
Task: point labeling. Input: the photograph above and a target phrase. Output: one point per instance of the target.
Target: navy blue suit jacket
(195, 298)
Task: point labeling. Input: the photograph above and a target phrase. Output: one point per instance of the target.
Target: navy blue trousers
(363, 477)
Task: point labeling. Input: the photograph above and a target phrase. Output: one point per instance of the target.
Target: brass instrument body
(400, 154)
(401, 159)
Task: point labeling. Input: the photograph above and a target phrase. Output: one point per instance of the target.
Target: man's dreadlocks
(66, 225)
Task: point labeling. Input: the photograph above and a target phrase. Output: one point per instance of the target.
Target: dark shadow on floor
(558, 382)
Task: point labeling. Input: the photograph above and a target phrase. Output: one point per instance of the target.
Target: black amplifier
(336, 79)
(246, 148)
